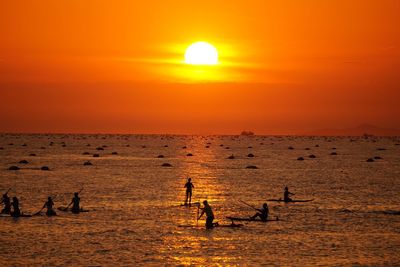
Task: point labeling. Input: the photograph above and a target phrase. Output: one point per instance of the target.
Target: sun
(201, 53)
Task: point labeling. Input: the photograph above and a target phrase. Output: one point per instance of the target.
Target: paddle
(66, 208)
(241, 201)
(37, 213)
(6, 194)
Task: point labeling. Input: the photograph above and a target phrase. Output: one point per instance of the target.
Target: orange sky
(116, 66)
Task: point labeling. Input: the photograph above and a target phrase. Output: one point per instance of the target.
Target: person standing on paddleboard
(189, 186)
(286, 195)
(210, 215)
(7, 204)
(262, 214)
(49, 205)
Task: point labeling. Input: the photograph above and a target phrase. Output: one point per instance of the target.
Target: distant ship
(247, 133)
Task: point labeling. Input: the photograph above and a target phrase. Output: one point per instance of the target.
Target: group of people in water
(13, 209)
(262, 213)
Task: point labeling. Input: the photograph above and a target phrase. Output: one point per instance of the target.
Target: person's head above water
(265, 205)
(286, 188)
(49, 198)
(189, 179)
(15, 199)
(5, 195)
(205, 202)
(76, 194)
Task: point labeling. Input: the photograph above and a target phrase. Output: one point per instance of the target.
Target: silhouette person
(75, 203)
(286, 195)
(7, 204)
(210, 215)
(49, 205)
(189, 186)
(262, 214)
(15, 204)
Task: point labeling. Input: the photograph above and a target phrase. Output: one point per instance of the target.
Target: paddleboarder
(262, 214)
(286, 195)
(75, 203)
(15, 204)
(7, 204)
(49, 205)
(189, 186)
(210, 215)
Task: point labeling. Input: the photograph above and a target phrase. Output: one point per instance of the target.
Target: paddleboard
(9, 216)
(250, 219)
(217, 225)
(295, 200)
(69, 209)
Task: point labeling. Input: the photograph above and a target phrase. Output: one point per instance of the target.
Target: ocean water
(135, 215)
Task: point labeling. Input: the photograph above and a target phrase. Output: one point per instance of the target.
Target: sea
(136, 217)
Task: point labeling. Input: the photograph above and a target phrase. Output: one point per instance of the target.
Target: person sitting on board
(286, 195)
(15, 204)
(7, 204)
(210, 215)
(262, 214)
(49, 205)
(75, 203)
(189, 186)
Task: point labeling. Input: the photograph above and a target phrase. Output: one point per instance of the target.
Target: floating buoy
(87, 163)
(250, 155)
(45, 168)
(300, 158)
(96, 155)
(160, 156)
(370, 160)
(333, 153)
(32, 155)
(14, 168)
(189, 155)
(166, 165)
(251, 167)
(23, 161)
(312, 156)
(99, 148)
(231, 157)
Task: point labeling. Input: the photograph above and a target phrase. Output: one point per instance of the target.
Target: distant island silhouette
(365, 129)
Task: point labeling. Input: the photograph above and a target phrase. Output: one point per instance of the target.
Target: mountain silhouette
(362, 129)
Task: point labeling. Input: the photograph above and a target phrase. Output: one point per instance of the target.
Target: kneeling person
(210, 215)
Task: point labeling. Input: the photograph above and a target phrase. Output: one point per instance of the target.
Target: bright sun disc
(201, 53)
